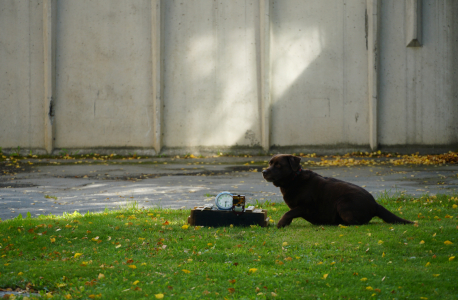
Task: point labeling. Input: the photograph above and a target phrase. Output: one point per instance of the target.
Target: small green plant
(17, 151)
(50, 197)
(63, 152)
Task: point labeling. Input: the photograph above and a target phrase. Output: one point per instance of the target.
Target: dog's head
(282, 167)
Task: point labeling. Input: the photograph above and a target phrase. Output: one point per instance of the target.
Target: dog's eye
(278, 166)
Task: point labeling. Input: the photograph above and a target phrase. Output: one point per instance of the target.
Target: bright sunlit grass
(147, 254)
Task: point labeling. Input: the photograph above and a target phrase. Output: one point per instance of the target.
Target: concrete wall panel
(215, 74)
(319, 73)
(103, 74)
(21, 68)
(211, 77)
(418, 94)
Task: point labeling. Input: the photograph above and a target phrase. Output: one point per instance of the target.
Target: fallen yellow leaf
(422, 242)
(135, 282)
(159, 296)
(68, 296)
(132, 266)
(451, 258)
(252, 270)
(436, 275)
(363, 279)
(427, 264)
(185, 226)
(186, 271)
(380, 242)
(101, 276)
(284, 244)
(325, 276)
(448, 243)
(77, 255)
(369, 288)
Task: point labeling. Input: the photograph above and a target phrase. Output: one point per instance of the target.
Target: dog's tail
(389, 217)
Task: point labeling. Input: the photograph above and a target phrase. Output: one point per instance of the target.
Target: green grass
(143, 253)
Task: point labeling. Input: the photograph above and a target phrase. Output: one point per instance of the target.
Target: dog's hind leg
(353, 214)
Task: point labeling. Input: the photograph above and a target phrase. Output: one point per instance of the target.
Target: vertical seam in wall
(49, 73)
(29, 133)
(156, 68)
(264, 19)
(344, 68)
(373, 8)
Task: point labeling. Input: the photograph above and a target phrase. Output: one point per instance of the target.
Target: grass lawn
(147, 254)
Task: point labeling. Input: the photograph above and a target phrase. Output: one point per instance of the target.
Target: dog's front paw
(283, 222)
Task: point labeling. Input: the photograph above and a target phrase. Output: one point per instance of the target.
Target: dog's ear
(294, 162)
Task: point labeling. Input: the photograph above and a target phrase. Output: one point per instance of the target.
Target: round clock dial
(224, 201)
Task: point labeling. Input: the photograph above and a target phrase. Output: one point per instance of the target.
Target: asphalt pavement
(57, 186)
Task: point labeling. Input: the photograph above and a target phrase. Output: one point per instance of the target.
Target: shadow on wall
(319, 74)
(211, 75)
(213, 78)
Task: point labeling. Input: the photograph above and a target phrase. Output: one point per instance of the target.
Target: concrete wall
(103, 74)
(22, 111)
(319, 73)
(257, 75)
(418, 85)
(211, 95)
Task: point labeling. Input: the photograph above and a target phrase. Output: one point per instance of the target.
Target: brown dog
(321, 200)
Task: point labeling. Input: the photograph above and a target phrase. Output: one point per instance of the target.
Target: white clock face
(224, 201)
